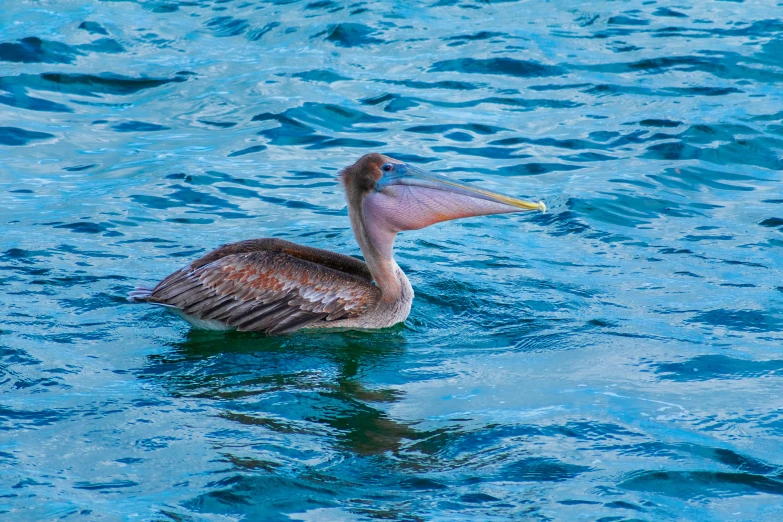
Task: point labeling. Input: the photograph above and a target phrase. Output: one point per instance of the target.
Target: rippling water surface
(618, 357)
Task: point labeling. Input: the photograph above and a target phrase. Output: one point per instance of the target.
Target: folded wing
(269, 285)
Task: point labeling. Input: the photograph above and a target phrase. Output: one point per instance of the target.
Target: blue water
(618, 357)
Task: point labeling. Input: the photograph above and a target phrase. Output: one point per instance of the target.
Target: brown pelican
(275, 286)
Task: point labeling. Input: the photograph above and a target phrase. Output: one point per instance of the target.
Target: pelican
(274, 286)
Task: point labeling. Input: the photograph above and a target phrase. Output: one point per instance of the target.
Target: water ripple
(616, 357)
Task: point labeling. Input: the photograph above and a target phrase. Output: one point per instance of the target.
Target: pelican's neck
(377, 244)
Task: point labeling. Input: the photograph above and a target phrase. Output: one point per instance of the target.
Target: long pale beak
(415, 198)
(416, 177)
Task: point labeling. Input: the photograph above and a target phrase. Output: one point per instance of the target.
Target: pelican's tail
(140, 294)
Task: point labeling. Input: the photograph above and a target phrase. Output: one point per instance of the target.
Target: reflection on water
(617, 357)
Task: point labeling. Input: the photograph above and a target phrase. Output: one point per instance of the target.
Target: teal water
(616, 358)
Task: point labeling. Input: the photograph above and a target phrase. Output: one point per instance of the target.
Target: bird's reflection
(299, 421)
(301, 384)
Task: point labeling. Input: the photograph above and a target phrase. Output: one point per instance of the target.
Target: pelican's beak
(416, 198)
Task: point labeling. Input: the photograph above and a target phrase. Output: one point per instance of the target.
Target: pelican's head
(392, 196)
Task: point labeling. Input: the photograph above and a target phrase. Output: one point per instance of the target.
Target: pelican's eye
(388, 167)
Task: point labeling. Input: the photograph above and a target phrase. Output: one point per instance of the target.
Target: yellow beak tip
(541, 206)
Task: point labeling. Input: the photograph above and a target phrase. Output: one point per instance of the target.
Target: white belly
(201, 324)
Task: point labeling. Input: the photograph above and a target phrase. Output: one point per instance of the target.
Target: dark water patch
(80, 168)
(575, 143)
(768, 27)
(100, 300)
(589, 157)
(15, 137)
(100, 486)
(537, 469)
(104, 45)
(410, 158)
(336, 118)
(255, 35)
(456, 445)
(660, 123)
(459, 136)
(627, 20)
(695, 178)
(716, 366)
(600, 211)
(76, 280)
(333, 117)
(559, 87)
(85, 84)
(346, 142)
(155, 443)
(535, 169)
(619, 504)
(329, 5)
(772, 222)
(396, 102)
(422, 484)
(702, 484)
(12, 419)
(626, 48)
(320, 75)
(706, 134)
(248, 150)
(703, 91)
(739, 320)
(211, 177)
(703, 237)
(264, 497)
(486, 152)
(477, 498)
(34, 50)
(93, 28)
(87, 227)
(26, 483)
(631, 210)
(138, 126)
(773, 52)
(754, 151)
(219, 124)
(13, 356)
(743, 263)
(476, 128)
(679, 32)
(501, 66)
(243, 193)
(167, 8)
(481, 35)
(619, 90)
(350, 35)
(671, 13)
(728, 457)
(16, 97)
(724, 65)
(417, 84)
(466, 38)
(182, 197)
(225, 26)
(574, 502)
(522, 103)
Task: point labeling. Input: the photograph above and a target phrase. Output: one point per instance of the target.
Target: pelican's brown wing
(259, 286)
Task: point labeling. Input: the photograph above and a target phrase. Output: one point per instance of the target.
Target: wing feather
(269, 285)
